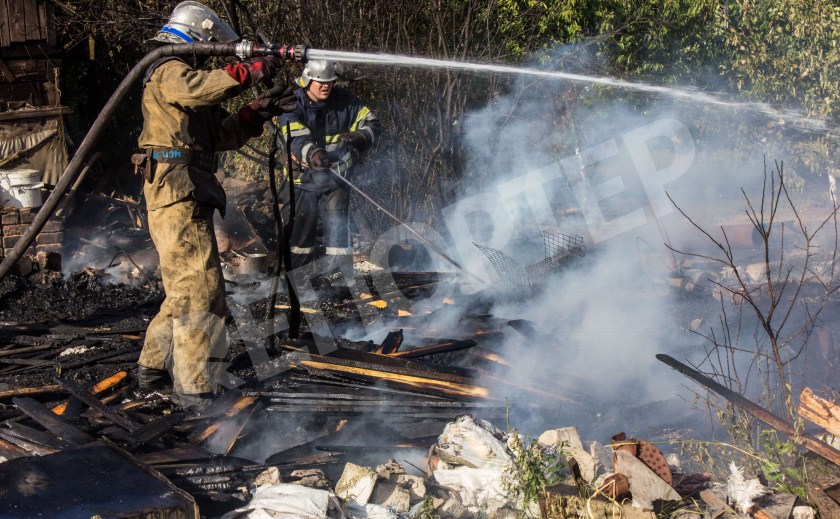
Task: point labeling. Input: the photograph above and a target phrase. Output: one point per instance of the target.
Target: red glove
(278, 100)
(255, 71)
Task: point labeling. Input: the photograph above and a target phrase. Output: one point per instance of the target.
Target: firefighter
(184, 125)
(330, 128)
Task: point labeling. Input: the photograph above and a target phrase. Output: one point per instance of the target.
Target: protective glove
(257, 70)
(357, 140)
(318, 159)
(279, 100)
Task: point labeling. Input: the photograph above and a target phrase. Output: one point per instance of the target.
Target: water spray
(242, 49)
(695, 96)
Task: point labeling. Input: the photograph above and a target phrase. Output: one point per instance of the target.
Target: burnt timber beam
(51, 422)
(809, 442)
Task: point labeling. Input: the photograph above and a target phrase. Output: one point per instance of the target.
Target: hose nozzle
(246, 50)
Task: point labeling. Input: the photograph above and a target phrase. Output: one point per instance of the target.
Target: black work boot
(152, 379)
(193, 403)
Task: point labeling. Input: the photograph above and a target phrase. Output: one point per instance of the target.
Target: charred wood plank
(99, 387)
(30, 349)
(31, 448)
(347, 356)
(178, 454)
(47, 419)
(9, 450)
(240, 404)
(391, 344)
(434, 349)
(23, 391)
(809, 442)
(420, 381)
(101, 356)
(32, 435)
(80, 392)
(154, 430)
(819, 411)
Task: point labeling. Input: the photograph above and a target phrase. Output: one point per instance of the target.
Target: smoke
(609, 167)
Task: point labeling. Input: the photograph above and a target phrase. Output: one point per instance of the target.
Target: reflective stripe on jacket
(319, 124)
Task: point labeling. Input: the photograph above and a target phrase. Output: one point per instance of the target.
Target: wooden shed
(31, 114)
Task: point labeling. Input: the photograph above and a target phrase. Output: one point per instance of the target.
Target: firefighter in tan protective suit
(184, 125)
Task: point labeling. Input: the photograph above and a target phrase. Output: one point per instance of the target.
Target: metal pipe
(243, 50)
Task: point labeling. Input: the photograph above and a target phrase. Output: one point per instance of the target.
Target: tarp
(34, 143)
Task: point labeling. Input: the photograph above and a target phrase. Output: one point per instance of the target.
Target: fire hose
(336, 171)
(242, 49)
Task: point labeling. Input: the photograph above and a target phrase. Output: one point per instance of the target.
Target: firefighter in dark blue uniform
(331, 128)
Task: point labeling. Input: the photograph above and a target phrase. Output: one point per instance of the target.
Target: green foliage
(784, 52)
(427, 509)
(536, 468)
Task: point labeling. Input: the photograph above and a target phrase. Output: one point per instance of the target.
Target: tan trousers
(187, 336)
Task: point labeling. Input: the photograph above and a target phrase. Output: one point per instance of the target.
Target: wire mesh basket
(561, 251)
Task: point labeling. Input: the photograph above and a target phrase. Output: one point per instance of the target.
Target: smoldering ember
(421, 261)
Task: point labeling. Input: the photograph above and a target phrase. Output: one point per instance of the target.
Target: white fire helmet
(195, 22)
(319, 70)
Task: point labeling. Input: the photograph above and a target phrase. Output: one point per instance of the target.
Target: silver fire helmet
(195, 22)
(318, 70)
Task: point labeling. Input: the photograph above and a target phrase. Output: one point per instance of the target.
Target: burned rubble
(399, 427)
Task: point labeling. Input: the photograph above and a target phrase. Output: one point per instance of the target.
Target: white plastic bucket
(21, 188)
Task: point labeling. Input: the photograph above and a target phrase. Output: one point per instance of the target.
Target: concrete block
(415, 485)
(555, 437)
(356, 484)
(392, 496)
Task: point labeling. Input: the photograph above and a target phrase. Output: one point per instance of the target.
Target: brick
(10, 241)
(49, 247)
(27, 215)
(11, 218)
(53, 226)
(48, 261)
(15, 230)
(49, 237)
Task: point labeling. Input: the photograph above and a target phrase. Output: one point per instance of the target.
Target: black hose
(278, 236)
(101, 122)
(95, 133)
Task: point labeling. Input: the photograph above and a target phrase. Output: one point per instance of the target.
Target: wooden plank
(30, 22)
(51, 422)
(28, 114)
(49, 9)
(433, 349)
(827, 506)
(819, 411)
(29, 69)
(29, 434)
(99, 387)
(42, 19)
(780, 424)
(51, 388)
(30, 447)
(4, 24)
(17, 21)
(11, 451)
(391, 344)
(75, 389)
